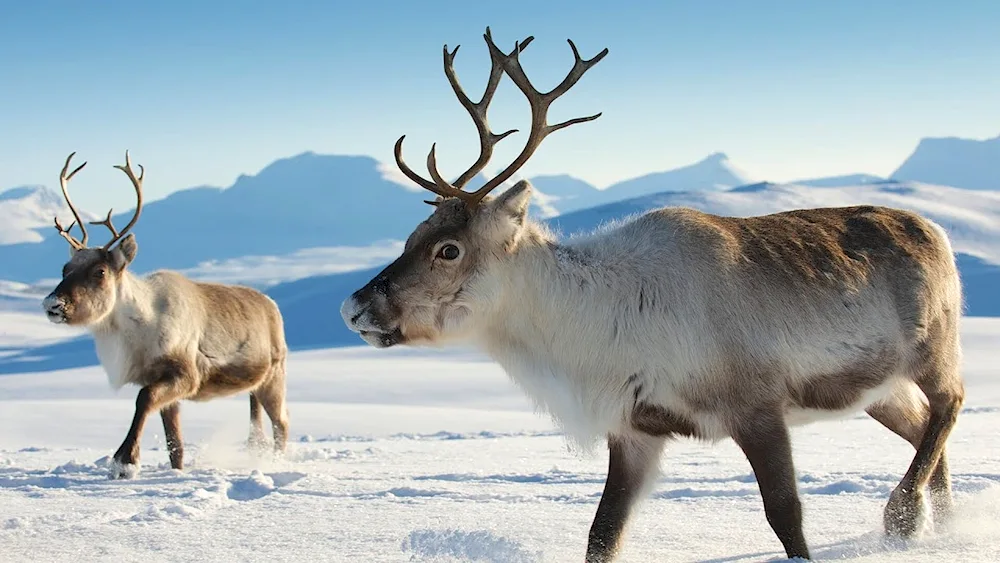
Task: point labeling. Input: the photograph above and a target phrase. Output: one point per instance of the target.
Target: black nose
(53, 304)
(355, 318)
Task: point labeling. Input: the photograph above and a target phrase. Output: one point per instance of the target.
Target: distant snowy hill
(26, 214)
(568, 194)
(712, 174)
(840, 181)
(965, 163)
(564, 192)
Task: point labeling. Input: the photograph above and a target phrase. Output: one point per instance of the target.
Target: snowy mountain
(27, 213)
(965, 163)
(564, 192)
(713, 173)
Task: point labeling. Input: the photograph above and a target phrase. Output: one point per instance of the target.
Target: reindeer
(173, 337)
(679, 323)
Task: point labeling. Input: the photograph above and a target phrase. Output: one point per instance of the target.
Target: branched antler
(540, 128)
(115, 234)
(64, 184)
(477, 111)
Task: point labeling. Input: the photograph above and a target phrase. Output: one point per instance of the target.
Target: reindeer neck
(134, 305)
(547, 284)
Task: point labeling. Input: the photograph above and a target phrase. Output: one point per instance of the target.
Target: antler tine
(421, 181)
(137, 184)
(64, 184)
(478, 110)
(441, 186)
(107, 223)
(539, 103)
(64, 233)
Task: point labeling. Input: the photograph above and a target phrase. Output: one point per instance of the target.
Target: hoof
(119, 470)
(258, 445)
(906, 515)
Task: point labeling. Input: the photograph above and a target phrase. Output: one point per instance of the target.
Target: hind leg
(171, 416)
(272, 398)
(257, 441)
(905, 413)
(941, 383)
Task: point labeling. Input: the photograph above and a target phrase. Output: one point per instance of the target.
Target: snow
(433, 455)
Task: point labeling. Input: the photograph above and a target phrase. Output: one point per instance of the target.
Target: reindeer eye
(449, 252)
(99, 273)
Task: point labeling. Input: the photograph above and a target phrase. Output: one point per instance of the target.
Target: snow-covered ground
(408, 455)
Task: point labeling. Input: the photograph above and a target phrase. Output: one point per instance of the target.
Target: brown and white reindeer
(174, 337)
(682, 323)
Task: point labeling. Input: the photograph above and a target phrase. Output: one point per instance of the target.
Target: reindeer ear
(508, 214)
(123, 254)
(514, 202)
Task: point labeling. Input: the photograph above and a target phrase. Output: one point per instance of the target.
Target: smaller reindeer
(174, 337)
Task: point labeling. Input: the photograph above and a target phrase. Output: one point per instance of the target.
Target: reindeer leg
(175, 381)
(905, 509)
(257, 440)
(272, 398)
(766, 443)
(906, 413)
(171, 416)
(632, 465)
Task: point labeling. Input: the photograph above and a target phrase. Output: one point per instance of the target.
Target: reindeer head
(440, 284)
(89, 287)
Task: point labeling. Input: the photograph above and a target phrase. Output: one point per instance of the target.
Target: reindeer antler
(115, 234)
(107, 223)
(64, 184)
(137, 184)
(540, 127)
(477, 111)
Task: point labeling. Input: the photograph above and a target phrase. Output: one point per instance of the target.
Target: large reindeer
(682, 323)
(174, 337)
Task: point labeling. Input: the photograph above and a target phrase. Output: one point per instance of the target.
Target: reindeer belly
(229, 379)
(831, 398)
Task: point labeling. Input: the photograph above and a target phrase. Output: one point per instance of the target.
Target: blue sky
(202, 92)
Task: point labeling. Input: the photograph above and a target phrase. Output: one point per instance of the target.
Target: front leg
(632, 465)
(171, 415)
(173, 380)
(765, 441)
